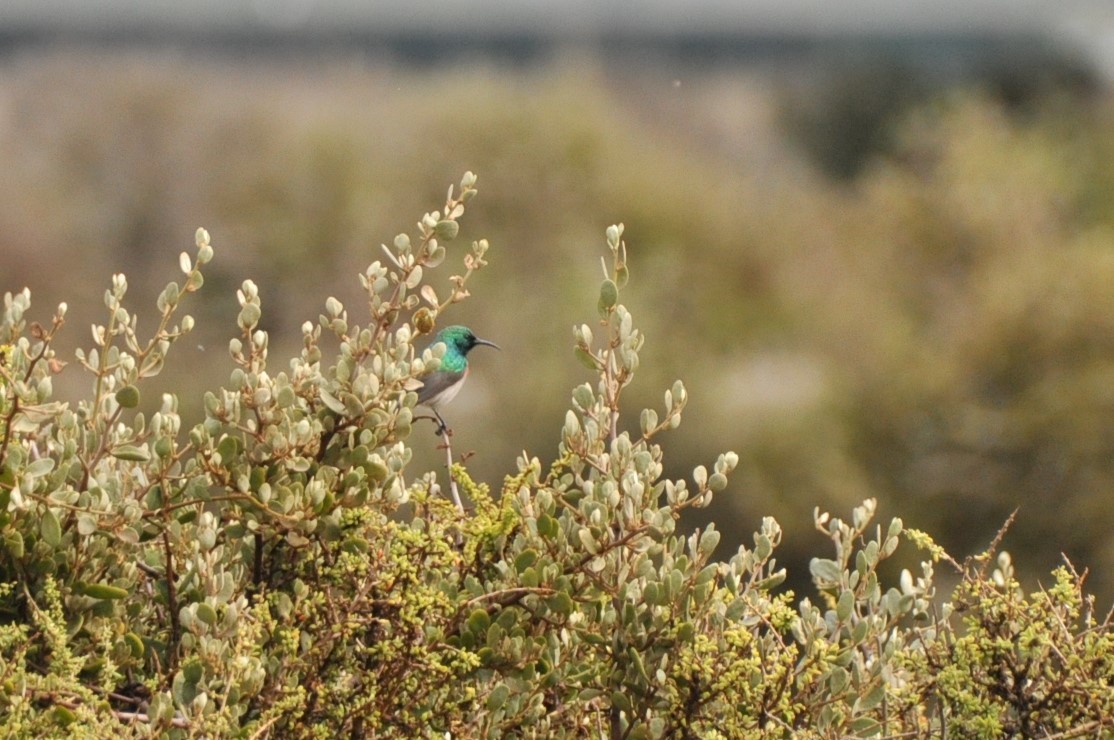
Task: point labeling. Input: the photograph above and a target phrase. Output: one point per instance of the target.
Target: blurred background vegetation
(875, 278)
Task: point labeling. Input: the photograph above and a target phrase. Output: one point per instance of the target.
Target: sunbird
(441, 386)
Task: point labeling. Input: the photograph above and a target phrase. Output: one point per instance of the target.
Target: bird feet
(442, 428)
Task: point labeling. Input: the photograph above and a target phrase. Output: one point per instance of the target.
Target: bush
(280, 570)
(937, 333)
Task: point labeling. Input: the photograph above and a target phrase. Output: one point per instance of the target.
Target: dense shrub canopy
(934, 332)
(281, 569)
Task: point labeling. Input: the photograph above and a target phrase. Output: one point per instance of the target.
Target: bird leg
(442, 427)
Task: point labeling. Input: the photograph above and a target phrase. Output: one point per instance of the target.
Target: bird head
(460, 339)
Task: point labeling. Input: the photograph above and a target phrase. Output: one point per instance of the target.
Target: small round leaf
(609, 296)
(128, 397)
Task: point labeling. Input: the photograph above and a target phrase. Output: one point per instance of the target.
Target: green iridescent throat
(453, 361)
(458, 341)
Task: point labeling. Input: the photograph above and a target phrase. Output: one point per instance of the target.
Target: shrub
(936, 333)
(279, 569)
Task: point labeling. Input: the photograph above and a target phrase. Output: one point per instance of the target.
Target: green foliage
(936, 333)
(281, 570)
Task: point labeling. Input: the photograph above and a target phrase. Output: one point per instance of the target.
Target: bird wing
(435, 384)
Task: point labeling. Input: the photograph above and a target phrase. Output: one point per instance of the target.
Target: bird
(441, 386)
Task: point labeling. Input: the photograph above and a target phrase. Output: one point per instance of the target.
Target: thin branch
(171, 600)
(446, 435)
(508, 596)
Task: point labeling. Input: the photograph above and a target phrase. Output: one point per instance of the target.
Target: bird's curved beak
(489, 344)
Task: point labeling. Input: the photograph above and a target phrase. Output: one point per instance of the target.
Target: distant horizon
(522, 30)
(572, 18)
